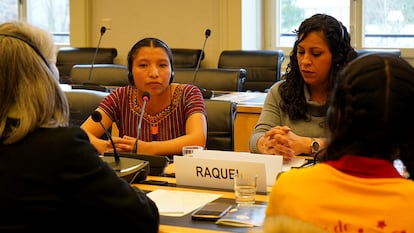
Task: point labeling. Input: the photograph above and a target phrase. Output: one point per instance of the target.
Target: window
(51, 15)
(372, 24)
(388, 24)
(292, 13)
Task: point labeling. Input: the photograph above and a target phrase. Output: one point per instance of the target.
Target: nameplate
(216, 173)
(273, 163)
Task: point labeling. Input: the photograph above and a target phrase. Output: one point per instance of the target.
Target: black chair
(263, 66)
(82, 103)
(220, 124)
(396, 52)
(101, 74)
(213, 79)
(186, 58)
(67, 57)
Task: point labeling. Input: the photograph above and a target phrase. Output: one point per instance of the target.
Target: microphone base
(130, 169)
(90, 86)
(157, 163)
(207, 94)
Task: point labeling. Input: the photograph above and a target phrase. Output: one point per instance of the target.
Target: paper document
(179, 203)
(253, 98)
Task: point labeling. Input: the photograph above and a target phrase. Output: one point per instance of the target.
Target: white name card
(216, 173)
(273, 163)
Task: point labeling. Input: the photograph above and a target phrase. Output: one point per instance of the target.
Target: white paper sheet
(179, 203)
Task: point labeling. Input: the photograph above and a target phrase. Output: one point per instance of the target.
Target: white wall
(180, 23)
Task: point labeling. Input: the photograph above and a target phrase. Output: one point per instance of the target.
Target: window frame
(22, 8)
(271, 31)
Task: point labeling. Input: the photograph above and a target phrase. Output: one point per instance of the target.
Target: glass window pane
(292, 12)
(9, 10)
(51, 15)
(388, 24)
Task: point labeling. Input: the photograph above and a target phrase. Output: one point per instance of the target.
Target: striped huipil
(122, 107)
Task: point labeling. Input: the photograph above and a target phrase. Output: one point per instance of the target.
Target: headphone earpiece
(130, 78)
(172, 76)
(34, 48)
(340, 57)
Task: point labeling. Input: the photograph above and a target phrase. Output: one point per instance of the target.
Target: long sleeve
(269, 117)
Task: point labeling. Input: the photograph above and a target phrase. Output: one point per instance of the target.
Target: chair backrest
(82, 103)
(69, 56)
(396, 52)
(213, 79)
(102, 74)
(263, 66)
(220, 124)
(186, 58)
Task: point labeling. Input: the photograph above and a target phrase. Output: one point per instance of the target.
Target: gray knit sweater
(272, 115)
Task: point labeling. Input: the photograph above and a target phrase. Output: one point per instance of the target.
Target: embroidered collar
(154, 119)
(365, 167)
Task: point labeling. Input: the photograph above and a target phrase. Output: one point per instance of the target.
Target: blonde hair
(28, 82)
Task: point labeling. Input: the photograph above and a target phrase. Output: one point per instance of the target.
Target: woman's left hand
(124, 144)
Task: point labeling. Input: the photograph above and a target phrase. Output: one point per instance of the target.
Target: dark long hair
(338, 39)
(371, 110)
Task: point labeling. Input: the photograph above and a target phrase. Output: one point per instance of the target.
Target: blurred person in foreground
(356, 185)
(52, 177)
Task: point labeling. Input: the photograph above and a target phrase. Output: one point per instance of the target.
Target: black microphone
(207, 94)
(103, 30)
(88, 85)
(129, 168)
(97, 117)
(145, 97)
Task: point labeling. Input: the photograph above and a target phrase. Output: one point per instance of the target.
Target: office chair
(213, 79)
(67, 57)
(102, 74)
(396, 52)
(263, 66)
(82, 103)
(186, 58)
(220, 124)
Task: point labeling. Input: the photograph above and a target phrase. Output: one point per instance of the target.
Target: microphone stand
(131, 169)
(145, 98)
(207, 94)
(88, 85)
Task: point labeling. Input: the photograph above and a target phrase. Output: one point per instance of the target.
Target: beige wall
(180, 23)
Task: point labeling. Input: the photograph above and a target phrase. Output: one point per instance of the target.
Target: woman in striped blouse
(174, 115)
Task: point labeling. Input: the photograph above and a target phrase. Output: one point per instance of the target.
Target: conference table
(185, 224)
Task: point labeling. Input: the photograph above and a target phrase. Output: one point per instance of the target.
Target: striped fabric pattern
(170, 123)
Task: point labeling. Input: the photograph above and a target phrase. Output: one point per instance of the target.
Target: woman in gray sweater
(293, 118)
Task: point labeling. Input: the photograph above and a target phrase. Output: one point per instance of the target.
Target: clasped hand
(280, 140)
(122, 144)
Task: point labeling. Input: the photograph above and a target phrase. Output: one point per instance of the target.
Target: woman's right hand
(276, 141)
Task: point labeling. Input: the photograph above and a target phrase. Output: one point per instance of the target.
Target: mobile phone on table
(211, 211)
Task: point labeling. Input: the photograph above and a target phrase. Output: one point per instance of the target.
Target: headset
(143, 43)
(340, 57)
(26, 41)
